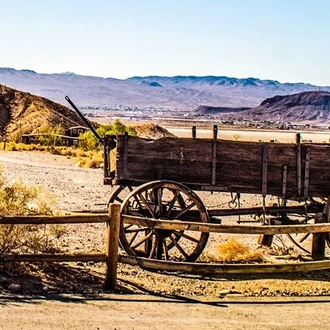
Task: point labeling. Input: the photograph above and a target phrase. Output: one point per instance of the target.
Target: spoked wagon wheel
(304, 241)
(119, 194)
(165, 200)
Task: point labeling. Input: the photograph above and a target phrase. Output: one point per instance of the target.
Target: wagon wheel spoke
(134, 213)
(132, 238)
(172, 203)
(178, 246)
(187, 208)
(153, 247)
(159, 202)
(143, 199)
(141, 241)
(177, 233)
(304, 237)
(138, 229)
(165, 248)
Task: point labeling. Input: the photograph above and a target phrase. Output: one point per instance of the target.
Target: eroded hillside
(25, 113)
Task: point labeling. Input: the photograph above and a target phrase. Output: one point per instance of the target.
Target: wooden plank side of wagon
(177, 159)
(239, 167)
(319, 169)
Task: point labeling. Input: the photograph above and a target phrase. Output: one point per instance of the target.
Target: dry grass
(90, 159)
(234, 251)
(16, 199)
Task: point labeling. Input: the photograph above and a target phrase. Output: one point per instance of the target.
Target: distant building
(71, 137)
(75, 131)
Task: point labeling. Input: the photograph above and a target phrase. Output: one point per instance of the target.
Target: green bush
(88, 141)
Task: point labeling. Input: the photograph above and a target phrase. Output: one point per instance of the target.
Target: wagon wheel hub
(163, 233)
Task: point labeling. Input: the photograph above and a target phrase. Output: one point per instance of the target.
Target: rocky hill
(178, 93)
(305, 106)
(300, 107)
(24, 112)
(313, 106)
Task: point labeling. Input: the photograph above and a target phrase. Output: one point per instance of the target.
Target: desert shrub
(67, 152)
(16, 199)
(91, 163)
(234, 251)
(51, 135)
(11, 146)
(81, 162)
(98, 157)
(88, 141)
(80, 153)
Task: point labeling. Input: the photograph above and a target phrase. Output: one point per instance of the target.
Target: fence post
(113, 229)
(193, 132)
(318, 243)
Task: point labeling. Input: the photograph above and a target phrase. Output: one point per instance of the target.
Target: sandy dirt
(146, 312)
(180, 298)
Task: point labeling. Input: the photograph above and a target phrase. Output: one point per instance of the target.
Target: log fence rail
(111, 256)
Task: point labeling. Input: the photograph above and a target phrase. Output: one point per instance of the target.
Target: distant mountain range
(178, 93)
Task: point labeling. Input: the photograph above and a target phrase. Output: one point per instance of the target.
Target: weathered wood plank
(238, 164)
(47, 220)
(229, 229)
(113, 229)
(97, 257)
(207, 268)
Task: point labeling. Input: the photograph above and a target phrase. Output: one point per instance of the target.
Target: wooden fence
(111, 257)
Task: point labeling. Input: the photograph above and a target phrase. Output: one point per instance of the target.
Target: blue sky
(284, 40)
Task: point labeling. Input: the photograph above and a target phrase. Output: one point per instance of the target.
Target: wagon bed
(297, 170)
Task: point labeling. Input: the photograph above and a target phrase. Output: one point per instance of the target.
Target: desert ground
(177, 299)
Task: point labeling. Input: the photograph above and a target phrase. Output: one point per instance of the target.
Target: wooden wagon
(168, 172)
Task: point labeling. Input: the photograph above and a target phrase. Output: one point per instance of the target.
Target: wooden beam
(229, 229)
(97, 257)
(47, 220)
(300, 209)
(207, 268)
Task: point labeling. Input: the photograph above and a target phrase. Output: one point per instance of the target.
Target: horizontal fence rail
(111, 256)
(53, 220)
(229, 229)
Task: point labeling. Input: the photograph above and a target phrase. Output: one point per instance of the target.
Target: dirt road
(147, 312)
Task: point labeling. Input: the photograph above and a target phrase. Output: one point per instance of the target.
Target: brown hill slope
(313, 106)
(305, 106)
(209, 110)
(151, 131)
(24, 112)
